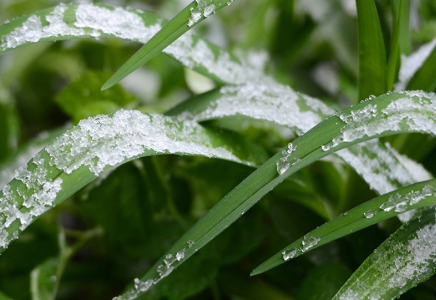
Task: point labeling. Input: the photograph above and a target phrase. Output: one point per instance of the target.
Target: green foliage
(138, 197)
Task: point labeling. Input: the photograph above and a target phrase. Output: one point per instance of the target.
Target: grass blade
(188, 17)
(401, 20)
(372, 53)
(382, 116)
(99, 144)
(415, 196)
(403, 261)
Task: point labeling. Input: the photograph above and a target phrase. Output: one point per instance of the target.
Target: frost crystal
(38, 191)
(411, 64)
(309, 242)
(32, 30)
(104, 141)
(400, 203)
(283, 164)
(288, 254)
(117, 22)
(163, 271)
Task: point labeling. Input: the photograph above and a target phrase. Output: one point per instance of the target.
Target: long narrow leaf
(369, 213)
(278, 104)
(403, 261)
(372, 53)
(99, 144)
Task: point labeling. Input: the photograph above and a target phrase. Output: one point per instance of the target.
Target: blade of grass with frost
(415, 196)
(411, 64)
(25, 154)
(377, 163)
(191, 15)
(72, 21)
(403, 261)
(372, 53)
(425, 77)
(100, 144)
(383, 116)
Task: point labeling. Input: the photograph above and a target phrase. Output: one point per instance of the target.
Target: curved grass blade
(372, 53)
(383, 116)
(279, 104)
(403, 261)
(191, 15)
(414, 196)
(424, 78)
(411, 64)
(69, 21)
(25, 154)
(99, 144)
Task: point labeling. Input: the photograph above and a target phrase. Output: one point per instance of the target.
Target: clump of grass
(141, 223)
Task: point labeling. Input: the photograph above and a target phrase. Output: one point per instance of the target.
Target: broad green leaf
(404, 260)
(372, 53)
(83, 98)
(99, 144)
(323, 282)
(44, 280)
(383, 116)
(191, 15)
(367, 214)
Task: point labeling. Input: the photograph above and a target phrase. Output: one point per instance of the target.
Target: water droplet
(370, 213)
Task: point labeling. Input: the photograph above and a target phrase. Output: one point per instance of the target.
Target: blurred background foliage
(118, 226)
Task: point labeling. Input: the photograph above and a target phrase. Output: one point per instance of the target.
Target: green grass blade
(403, 261)
(415, 196)
(101, 143)
(3, 296)
(278, 104)
(383, 116)
(372, 53)
(180, 24)
(400, 18)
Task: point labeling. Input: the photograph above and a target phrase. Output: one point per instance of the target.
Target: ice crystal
(204, 8)
(103, 141)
